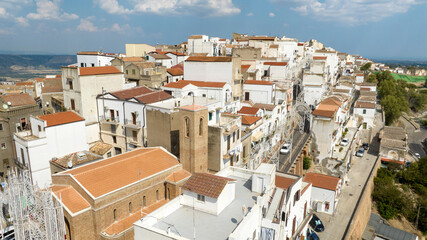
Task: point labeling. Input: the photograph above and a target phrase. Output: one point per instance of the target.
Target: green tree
(393, 107)
(372, 78)
(306, 163)
(366, 67)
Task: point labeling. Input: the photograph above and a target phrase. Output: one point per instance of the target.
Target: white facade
(259, 93)
(368, 115)
(200, 44)
(324, 200)
(166, 62)
(36, 148)
(94, 60)
(209, 71)
(176, 58)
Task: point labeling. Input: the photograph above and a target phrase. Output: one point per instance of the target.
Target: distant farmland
(407, 78)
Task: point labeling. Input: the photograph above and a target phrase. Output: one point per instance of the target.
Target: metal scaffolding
(34, 212)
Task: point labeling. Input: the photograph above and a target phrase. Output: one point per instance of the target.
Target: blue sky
(392, 29)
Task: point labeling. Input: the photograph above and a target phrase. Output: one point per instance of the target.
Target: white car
(344, 142)
(417, 155)
(285, 148)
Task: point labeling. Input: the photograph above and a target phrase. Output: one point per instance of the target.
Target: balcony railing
(132, 124)
(108, 120)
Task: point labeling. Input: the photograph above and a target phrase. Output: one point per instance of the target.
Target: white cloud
(50, 10)
(271, 14)
(3, 13)
(249, 14)
(119, 29)
(350, 11)
(22, 21)
(172, 7)
(87, 26)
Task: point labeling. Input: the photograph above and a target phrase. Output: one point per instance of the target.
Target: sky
(380, 29)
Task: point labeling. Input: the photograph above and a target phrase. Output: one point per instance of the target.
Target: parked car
(360, 152)
(365, 146)
(344, 142)
(285, 148)
(417, 155)
(316, 224)
(311, 235)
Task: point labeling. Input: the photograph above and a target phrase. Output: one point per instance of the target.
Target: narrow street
(298, 142)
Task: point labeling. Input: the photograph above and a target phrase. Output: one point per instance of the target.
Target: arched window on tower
(187, 126)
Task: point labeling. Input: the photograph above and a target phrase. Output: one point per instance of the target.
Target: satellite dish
(5, 106)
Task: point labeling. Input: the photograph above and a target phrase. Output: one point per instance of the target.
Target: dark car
(311, 235)
(316, 224)
(365, 146)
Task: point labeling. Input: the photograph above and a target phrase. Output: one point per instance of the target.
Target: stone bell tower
(193, 138)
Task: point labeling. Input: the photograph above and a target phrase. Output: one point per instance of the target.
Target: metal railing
(132, 123)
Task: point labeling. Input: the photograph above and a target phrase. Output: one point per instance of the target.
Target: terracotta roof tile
(131, 92)
(323, 113)
(175, 71)
(60, 118)
(276, 63)
(206, 184)
(268, 107)
(300, 44)
(248, 110)
(265, 38)
(178, 176)
(87, 71)
(18, 99)
(88, 53)
(180, 65)
(133, 59)
(110, 174)
(284, 182)
(208, 59)
(319, 58)
(193, 107)
(244, 68)
(322, 181)
(100, 148)
(364, 105)
(182, 83)
(72, 200)
(153, 97)
(195, 37)
(274, 46)
(24, 83)
(259, 82)
(159, 56)
(249, 120)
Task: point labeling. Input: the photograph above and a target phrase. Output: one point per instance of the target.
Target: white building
(177, 57)
(365, 110)
(332, 61)
(51, 136)
(314, 82)
(138, 49)
(95, 59)
(200, 44)
(275, 71)
(249, 198)
(162, 59)
(174, 74)
(82, 85)
(259, 91)
(325, 192)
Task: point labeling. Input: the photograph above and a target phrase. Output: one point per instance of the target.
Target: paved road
(415, 137)
(336, 224)
(285, 161)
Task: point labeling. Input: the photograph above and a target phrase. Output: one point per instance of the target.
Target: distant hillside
(22, 67)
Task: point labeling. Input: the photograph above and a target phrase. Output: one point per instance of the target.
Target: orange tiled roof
(322, 181)
(195, 37)
(364, 105)
(262, 38)
(110, 174)
(274, 46)
(323, 113)
(193, 107)
(319, 58)
(72, 200)
(133, 59)
(178, 176)
(258, 82)
(244, 68)
(249, 120)
(276, 63)
(153, 97)
(268, 107)
(24, 84)
(175, 71)
(248, 110)
(180, 65)
(18, 99)
(87, 71)
(300, 44)
(55, 119)
(131, 92)
(206, 184)
(88, 53)
(182, 83)
(284, 182)
(208, 59)
(121, 225)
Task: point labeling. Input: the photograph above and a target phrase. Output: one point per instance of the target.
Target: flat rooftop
(185, 101)
(209, 226)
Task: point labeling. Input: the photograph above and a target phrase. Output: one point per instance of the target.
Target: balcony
(108, 120)
(132, 124)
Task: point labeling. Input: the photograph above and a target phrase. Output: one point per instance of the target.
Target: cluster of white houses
(190, 132)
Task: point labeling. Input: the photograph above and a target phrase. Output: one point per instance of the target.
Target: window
(93, 64)
(5, 163)
(135, 135)
(1, 127)
(70, 82)
(210, 116)
(73, 105)
(203, 95)
(114, 139)
(39, 127)
(127, 71)
(157, 195)
(113, 128)
(130, 207)
(115, 214)
(147, 58)
(234, 137)
(238, 134)
(201, 127)
(201, 198)
(144, 201)
(3, 146)
(133, 71)
(169, 193)
(187, 126)
(22, 156)
(364, 111)
(327, 205)
(108, 154)
(296, 196)
(118, 150)
(82, 64)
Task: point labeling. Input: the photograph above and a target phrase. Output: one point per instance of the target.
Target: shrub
(306, 163)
